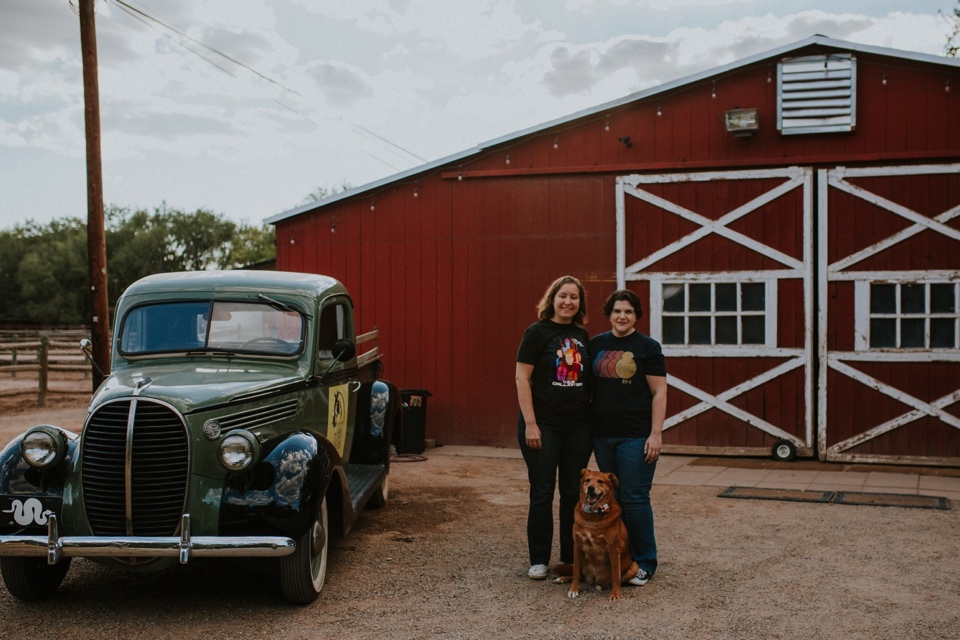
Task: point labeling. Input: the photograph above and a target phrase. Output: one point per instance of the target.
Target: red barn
(790, 220)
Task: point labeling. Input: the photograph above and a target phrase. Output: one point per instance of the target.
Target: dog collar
(603, 508)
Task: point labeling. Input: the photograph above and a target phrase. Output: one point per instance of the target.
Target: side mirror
(344, 349)
(86, 345)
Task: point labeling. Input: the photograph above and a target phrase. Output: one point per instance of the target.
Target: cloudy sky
(245, 107)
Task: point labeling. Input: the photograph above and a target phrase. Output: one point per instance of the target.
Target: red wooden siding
(449, 263)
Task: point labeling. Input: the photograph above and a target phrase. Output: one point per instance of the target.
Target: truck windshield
(235, 327)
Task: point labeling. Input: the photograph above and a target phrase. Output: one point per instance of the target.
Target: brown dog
(601, 553)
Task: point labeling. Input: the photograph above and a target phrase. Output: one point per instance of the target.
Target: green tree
(251, 245)
(953, 35)
(53, 276)
(43, 269)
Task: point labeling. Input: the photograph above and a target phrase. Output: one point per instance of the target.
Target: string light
(884, 81)
(373, 205)
(606, 127)
(416, 192)
(713, 90)
(556, 143)
(659, 112)
(459, 176)
(508, 158)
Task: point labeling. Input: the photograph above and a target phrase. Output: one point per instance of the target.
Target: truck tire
(32, 578)
(303, 572)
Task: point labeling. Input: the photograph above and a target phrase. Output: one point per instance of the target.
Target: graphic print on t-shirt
(569, 361)
(615, 364)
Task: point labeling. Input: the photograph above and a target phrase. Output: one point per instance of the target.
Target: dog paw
(561, 580)
(572, 593)
(615, 597)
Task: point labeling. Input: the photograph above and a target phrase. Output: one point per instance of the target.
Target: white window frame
(770, 312)
(862, 314)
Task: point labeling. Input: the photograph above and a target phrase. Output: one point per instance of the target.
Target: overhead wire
(146, 18)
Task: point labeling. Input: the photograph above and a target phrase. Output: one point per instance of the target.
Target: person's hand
(651, 450)
(532, 436)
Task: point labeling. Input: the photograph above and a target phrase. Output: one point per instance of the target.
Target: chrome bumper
(54, 547)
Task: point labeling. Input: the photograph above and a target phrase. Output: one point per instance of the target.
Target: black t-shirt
(561, 367)
(622, 400)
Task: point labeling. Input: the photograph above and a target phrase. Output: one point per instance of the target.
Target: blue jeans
(624, 458)
(565, 451)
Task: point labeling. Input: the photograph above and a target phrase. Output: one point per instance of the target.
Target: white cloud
(321, 93)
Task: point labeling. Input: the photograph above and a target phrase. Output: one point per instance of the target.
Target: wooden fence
(35, 353)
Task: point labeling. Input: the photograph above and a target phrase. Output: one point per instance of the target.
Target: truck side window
(333, 326)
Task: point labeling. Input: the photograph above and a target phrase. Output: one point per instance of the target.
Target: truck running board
(361, 478)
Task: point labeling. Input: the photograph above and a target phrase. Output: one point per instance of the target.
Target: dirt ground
(446, 558)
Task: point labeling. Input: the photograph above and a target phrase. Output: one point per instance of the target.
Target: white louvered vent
(817, 94)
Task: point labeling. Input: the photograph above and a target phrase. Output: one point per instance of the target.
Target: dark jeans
(624, 458)
(565, 450)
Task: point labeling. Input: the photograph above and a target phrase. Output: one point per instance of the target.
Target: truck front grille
(135, 465)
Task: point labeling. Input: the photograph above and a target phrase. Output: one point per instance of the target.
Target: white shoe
(640, 579)
(537, 572)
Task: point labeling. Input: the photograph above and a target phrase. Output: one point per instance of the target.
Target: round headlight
(43, 446)
(239, 450)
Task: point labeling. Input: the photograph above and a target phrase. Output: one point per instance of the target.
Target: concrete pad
(878, 479)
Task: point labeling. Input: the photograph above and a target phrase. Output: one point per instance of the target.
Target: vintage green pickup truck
(237, 421)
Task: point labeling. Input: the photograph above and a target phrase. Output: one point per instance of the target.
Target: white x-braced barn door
(725, 260)
(889, 314)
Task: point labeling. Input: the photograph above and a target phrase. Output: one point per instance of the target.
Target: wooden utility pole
(96, 238)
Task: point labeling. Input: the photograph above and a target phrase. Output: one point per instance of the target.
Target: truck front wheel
(303, 572)
(32, 578)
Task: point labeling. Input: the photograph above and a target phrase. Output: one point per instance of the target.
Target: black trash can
(413, 433)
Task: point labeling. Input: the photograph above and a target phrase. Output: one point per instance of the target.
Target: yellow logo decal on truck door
(337, 401)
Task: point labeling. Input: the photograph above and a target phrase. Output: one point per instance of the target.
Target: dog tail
(630, 572)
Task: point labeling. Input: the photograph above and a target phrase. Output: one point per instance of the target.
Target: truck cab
(239, 419)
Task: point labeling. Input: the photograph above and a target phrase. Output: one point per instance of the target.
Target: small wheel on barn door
(784, 451)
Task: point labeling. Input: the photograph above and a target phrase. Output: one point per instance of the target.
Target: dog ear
(613, 480)
(583, 472)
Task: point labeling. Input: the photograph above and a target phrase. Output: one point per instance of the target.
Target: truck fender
(20, 483)
(378, 415)
(282, 491)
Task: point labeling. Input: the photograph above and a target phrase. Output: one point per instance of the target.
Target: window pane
(883, 333)
(673, 330)
(700, 330)
(943, 333)
(673, 297)
(942, 299)
(726, 294)
(883, 298)
(753, 296)
(726, 329)
(753, 330)
(913, 298)
(699, 298)
(911, 333)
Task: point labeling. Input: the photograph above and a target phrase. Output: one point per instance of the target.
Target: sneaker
(640, 579)
(537, 572)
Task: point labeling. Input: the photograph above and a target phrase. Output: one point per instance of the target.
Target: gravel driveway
(446, 558)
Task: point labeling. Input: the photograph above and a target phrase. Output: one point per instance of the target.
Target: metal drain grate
(839, 497)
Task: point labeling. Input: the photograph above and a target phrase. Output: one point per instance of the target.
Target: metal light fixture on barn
(741, 122)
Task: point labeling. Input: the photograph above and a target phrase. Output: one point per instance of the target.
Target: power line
(152, 21)
(144, 16)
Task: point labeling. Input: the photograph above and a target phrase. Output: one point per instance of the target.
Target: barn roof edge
(428, 167)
